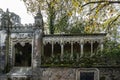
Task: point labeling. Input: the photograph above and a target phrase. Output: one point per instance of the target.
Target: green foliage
(102, 78)
(78, 27)
(68, 62)
(61, 24)
(109, 57)
(65, 13)
(112, 51)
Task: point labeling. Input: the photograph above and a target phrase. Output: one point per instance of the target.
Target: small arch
(76, 48)
(67, 48)
(57, 49)
(87, 49)
(47, 50)
(23, 54)
(95, 46)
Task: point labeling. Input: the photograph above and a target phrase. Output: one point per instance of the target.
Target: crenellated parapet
(22, 28)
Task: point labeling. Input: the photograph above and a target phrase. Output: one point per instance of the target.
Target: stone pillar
(81, 48)
(62, 51)
(101, 46)
(13, 53)
(71, 56)
(0, 43)
(32, 58)
(10, 56)
(91, 48)
(2, 54)
(52, 49)
(37, 48)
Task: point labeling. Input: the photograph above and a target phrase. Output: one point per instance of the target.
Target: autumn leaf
(69, 13)
(52, 4)
(80, 10)
(75, 3)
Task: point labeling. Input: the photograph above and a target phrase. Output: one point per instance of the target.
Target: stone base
(3, 77)
(64, 74)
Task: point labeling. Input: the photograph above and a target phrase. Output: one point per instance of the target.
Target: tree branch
(96, 2)
(111, 22)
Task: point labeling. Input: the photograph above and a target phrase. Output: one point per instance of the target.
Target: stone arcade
(28, 45)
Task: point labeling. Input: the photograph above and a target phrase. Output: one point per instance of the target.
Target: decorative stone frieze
(73, 38)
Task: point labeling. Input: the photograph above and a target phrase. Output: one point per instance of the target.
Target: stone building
(32, 55)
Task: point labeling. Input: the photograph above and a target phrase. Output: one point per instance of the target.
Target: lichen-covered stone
(58, 74)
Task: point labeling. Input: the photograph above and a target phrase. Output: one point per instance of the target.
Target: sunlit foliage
(97, 15)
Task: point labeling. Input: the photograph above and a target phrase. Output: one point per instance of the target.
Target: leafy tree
(98, 15)
(54, 9)
(112, 51)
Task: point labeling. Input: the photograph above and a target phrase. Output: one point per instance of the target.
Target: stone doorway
(23, 55)
(86, 75)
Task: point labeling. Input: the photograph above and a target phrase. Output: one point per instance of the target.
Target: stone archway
(87, 49)
(23, 55)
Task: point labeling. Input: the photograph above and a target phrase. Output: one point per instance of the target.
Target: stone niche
(23, 55)
(87, 74)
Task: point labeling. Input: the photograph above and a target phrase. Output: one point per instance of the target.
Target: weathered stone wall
(110, 73)
(2, 62)
(3, 77)
(71, 74)
(62, 73)
(58, 74)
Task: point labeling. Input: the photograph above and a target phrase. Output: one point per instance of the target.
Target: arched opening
(76, 49)
(67, 50)
(87, 49)
(95, 46)
(57, 49)
(47, 50)
(47, 53)
(23, 54)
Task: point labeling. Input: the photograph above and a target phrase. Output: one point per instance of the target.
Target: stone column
(62, 51)
(82, 53)
(91, 48)
(101, 46)
(52, 49)
(71, 56)
(32, 58)
(0, 43)
(37, 48)
(13, 54)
